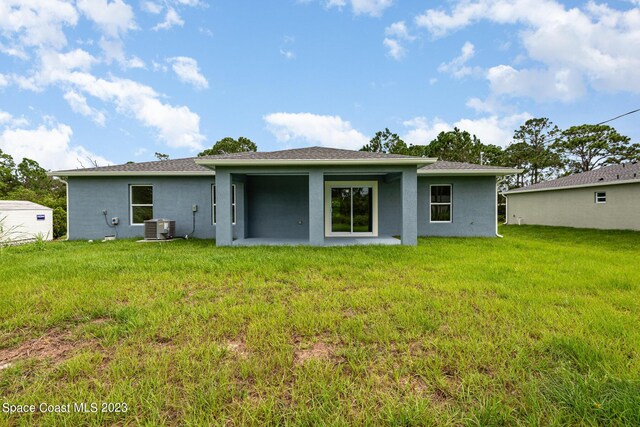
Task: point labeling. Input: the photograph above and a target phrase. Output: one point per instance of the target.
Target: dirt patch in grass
(238, 348)
(54, 345)
(319, 351)
(415, 384)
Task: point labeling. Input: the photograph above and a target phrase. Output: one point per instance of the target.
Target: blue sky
(116, 81)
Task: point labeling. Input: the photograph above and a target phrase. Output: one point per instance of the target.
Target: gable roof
(607, 175)
(309, 153)
(297, 156)
(309, 156)
(20, 205)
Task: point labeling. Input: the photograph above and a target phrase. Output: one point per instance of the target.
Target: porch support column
(224, 227)
(409, 186)
(316, 208)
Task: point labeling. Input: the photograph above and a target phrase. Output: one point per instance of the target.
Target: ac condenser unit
(159, 229)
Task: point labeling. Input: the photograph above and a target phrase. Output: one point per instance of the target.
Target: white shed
(22, 221)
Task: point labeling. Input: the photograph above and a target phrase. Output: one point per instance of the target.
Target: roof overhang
(418, 162)
(569, 187)
(80, 172)
(470, 172)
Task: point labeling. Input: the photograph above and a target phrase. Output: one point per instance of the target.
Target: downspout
(66, 186)
(506, 211)
(498, 181)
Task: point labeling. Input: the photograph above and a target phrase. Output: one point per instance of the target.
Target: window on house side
(141, 202)
(601, 197)
(233, 203)
(440, 203)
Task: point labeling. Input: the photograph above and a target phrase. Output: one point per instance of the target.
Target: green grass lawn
(539, 328)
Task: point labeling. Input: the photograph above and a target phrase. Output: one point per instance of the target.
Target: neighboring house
(607, 198)
(22, 221)
(316, 196)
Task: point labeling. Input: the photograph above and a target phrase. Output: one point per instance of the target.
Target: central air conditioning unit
(159, 229)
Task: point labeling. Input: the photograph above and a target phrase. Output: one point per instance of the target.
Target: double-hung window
(600, 197)
(440, 203)
(141, 203)
(233, 203)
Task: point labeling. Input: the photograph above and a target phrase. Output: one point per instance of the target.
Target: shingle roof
(189, 166)
(602, 176)
(309, 153)
(178, 165)
(19, 205)
(446, 165)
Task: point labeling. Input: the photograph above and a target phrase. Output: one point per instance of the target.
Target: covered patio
(320, 197)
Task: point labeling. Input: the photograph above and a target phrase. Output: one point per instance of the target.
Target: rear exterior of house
(22, 221)
(606, 198)
(316, 196)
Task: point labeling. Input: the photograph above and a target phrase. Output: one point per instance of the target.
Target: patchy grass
(539, 328)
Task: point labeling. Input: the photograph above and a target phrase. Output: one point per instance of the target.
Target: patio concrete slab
(328, 241)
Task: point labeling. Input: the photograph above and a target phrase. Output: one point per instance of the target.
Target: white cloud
(493, 129)
(114, 51)
(135, 62)
(7, 120)
(541, 85)
(288, 54)
(177, 126)
(36, 23)
(398, 30)
(78, 104)
(114, 18)
(594, 44)
(49, 145)
(157, 66)
(4, 81)
(188, 72)
(395, 49)
(457, 67)
(314, 129)
(171, 19)
(422, 131)
(396, 34)
(151, 7)
(362, 7)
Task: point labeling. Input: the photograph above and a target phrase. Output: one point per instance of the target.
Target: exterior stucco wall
(473, 208)
(274, 206)
(577, 208)
(172, 199)
(277, 206)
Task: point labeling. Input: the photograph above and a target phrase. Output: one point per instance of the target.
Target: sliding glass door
(352, 208)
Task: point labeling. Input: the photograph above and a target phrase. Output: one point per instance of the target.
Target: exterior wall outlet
(194, 208)
(115, 221)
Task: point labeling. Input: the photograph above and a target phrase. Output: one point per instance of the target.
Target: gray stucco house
(606, 198)
(315, 196)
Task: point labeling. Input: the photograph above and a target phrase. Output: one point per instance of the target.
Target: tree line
(539, 147)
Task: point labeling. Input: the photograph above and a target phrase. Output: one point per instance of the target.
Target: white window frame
(131, 204)
(450, 203)
(328, 185)
(600, 200)
(234, 201)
